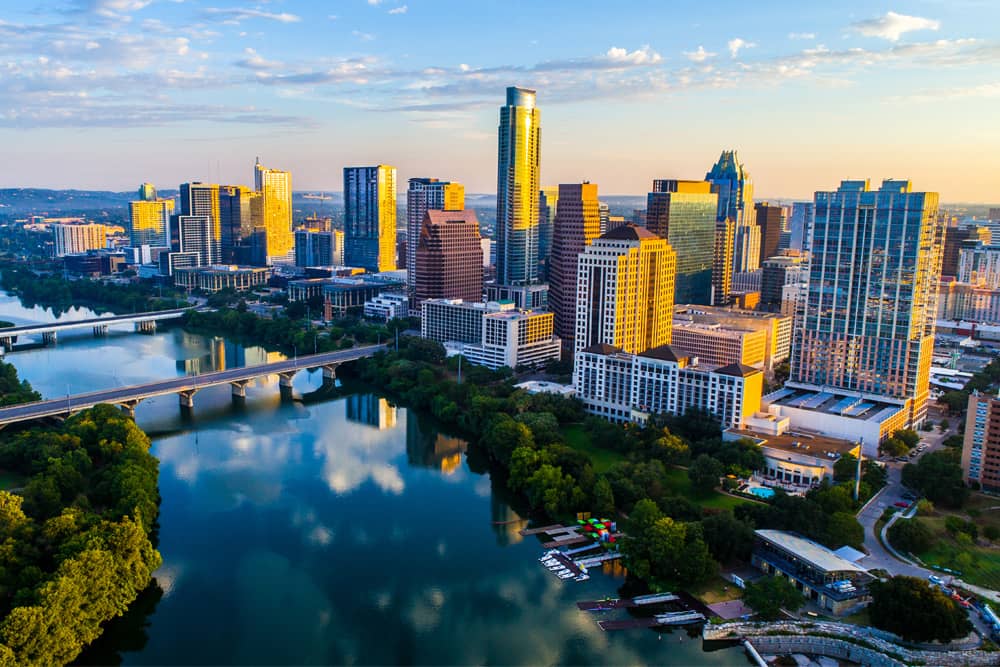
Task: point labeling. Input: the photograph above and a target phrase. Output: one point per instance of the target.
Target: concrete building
(722, 263)
(201, 199)
(961, 301)
(149, 222)
(834, 583)
(867, 328)
(625, 290)
(491, 334)
(172, 261)
(340, 295)
(387, 306)
(719, 345)
(449, 257)
(422, 195)
(625, 387)
(216, 278)
(979, 264)
(370, 217)
(981, 447)
(683, 213)
(771, 221)
(955, 239)
(776, 327)
(75, 239)
(577, 223)
(196, 234)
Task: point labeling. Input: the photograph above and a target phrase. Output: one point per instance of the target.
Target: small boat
(565, 575)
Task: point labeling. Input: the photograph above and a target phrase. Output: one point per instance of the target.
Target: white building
(491, 334)
(77, 239)
(387, 307)
(631, 387)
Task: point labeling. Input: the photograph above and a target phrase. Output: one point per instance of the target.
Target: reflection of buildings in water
(371, 410)
(431, 449)
(222, 354)
(507, 523)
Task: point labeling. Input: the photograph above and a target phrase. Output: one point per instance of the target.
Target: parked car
(901, 504)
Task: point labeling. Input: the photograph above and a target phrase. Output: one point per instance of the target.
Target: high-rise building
(577, 223)
(777, 272)
(518, 166)
(196, 234)
(731, 181)
(73, 239)
(683, 213)
(313, 248)
(422, 195)
(746, 248)
(449, 258)
(548, 200)
(147, 192)
(771, 220)
(604, 212)
(625, 287)
(981, 447)
(994, 214)
(979, 264)
(868, 323)
(236, 222)
(275, 188)
(801, 224)
(370, 217)
(954, 240)
(722, 263)
(149, 222)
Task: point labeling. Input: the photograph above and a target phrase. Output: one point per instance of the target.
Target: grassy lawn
(578, 438)
(715, 590)
(985, 567)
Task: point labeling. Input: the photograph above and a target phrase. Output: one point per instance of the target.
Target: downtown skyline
(806, 96)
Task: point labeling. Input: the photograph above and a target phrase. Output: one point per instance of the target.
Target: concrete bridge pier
(330, 371)
(285, 384)
(128, 407)
(7, 342)
(49, 337)
(187, 398)
(146, 326)
(240, 389)
(100, 330)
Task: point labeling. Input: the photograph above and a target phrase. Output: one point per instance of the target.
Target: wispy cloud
(736, 44)
(700, 55)
(982, 91)
(892, 26)
(363, 36)
(398, 10)
(801, 35)
(235, 15)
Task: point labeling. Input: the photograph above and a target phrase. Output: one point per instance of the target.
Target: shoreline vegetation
(77, 540)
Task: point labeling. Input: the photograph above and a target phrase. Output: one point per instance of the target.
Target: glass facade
(519, 156)
(683, 212)
(370, 217)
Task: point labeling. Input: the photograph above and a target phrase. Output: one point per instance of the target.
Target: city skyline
(819, 93)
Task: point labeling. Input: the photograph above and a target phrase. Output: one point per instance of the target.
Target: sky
(105, 94)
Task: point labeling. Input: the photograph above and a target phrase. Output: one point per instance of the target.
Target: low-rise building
(71, 239)
(491, 334)
(387, 306)
(717, 344)
(630, 387)
(343, 294)
(776, 326)
(220, 277)
(831, 581)
(981, 447)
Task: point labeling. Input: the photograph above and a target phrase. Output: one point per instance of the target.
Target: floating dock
(544, 529)
(626, 603)
(627, 624)
(679, 618)
(563, 562)
(592, 561)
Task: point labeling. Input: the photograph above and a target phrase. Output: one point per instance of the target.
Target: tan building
(722, 264)
(74, 239)
(577, 223)
(776, 327)
(215, 278)
(981, 448)
(449, 257)
(716, 344)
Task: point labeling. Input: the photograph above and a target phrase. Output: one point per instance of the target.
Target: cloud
(699, 56)
(982, 91)
(363, 36)
(399, 10)
(234, 15)
(736, 44)
(255, 61)
(892, 26)
(643, 56)
(801, 35)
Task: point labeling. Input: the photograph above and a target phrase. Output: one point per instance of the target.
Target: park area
(977, 558)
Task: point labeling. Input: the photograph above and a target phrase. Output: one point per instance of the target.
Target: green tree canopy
(768, 596)
(916, 611)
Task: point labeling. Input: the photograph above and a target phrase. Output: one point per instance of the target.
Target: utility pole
(857, 475)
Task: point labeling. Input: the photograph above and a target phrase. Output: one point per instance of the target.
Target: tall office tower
(518, 165)
(422, 195)
(604, 212)
(868, 322)
(275, 188)
(370, 217)
(683, 212)
(722, 263)
(548, 199)
(771, 220)
(979, 264)
(777, 272)
(625, 288)
(800, 225)
(196, 234)
(313, 248)
(203, 199)
(746, 248)
(954, 239)
(147, 192)
(236, 222)
(732, 183)
(149, 222)
(577, 224)
(75, 239)
(449, 260)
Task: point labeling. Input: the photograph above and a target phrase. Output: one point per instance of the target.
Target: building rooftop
(629, 233)
(833, 402)
(800, 442)
(663, 353)
(806, 550)
(737, 370)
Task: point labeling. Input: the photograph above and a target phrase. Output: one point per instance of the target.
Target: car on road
(901, 503)
(934, 579)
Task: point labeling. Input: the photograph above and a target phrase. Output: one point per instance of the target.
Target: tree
(938, 476)
(955, 401)
(909, 437)
(604, 497)
(768, 596)
(843, 528)
(894, 447)
(944, 425)
(704, 473)
(503, 435)
(845, 468)
(913, 536)
(727, 537)
(953, 441)
(544, 427)
(916, 611)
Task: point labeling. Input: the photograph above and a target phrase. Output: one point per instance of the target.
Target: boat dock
(558, 563)
(679, 617)
(544, 529)
(591, 561)
(660, 620)
(626, 603)
(627, 624)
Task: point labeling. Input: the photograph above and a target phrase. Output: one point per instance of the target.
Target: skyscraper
(370, 217)
(318, 248)
(203, 199)
(722, 264)
(771, 220)
(147, 192)
(868, 320)
(625, 287)
(518, 164)
(548, 199)
(954, 239)
(801, 224)
(577, 223)
(275, 188)
(236, 223)
(427, 194)
(731, 181)
(149, 222)
(449, 260)
(196, 234)
(683, 213)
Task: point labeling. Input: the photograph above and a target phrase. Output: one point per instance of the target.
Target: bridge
(186, 387)
(144, 322)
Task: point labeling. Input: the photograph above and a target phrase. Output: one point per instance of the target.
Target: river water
(340, 531)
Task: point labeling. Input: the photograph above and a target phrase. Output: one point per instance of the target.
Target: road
(29, 329)
(120, 395)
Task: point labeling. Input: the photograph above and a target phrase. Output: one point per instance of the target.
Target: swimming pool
(762, 492)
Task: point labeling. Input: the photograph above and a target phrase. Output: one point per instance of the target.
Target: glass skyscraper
(275, 188)
(519, 157)
(370, 217)
(683, 212)
(868, 320)
(735, 189)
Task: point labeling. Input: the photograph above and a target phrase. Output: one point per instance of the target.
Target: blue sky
(109, 93)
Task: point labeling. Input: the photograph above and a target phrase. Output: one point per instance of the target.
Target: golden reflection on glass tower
(275, 187)
(517, 189)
